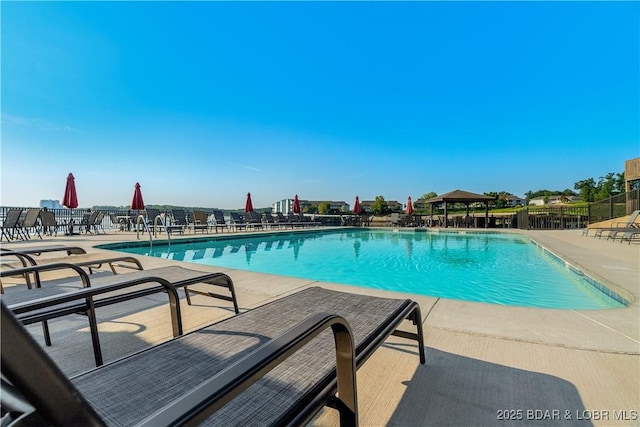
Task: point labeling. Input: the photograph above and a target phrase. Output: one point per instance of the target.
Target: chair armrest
(215, 392)
(87, 294)
(37, 269)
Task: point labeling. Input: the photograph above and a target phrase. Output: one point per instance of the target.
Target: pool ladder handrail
(158, 221)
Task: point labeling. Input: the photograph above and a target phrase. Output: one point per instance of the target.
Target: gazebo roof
(458, 196)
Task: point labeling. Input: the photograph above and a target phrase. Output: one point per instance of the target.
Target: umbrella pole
(70, 231)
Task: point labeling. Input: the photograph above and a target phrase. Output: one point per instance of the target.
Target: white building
(50, 204)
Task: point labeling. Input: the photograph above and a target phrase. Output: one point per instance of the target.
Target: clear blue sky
(202, 102)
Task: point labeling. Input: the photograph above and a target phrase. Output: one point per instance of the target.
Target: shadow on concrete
(452, 390)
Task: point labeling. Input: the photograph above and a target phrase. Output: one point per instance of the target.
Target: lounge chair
(294, 220)
(237, 222)
(38, 250)
(89, 261)
(616, 226)
(219, 221)
(30, 223)
(87, 221)
(394, 220)
(270, 220)
(277, 364)
(152, 220)
(179, 221)
(50, 302)
(10, 225)
(283, 220)
(95, 223)
(254, 220)
(200, 222)
(49, 223)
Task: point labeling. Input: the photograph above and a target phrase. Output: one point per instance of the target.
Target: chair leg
(45, 331)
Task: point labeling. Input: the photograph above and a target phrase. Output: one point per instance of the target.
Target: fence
(564, 217)
(615, 207)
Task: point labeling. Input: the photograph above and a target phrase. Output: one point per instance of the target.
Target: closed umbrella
(356, 207)
(248, 207)
(296, 205)
(70, 199)
(137, 203)
(409, 209)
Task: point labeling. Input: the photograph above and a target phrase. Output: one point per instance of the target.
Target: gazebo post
(446, 220)
(430, 214)
(486, 214)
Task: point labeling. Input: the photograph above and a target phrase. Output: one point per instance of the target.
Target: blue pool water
(485, 267)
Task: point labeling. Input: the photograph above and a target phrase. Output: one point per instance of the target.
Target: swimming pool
(498, 268)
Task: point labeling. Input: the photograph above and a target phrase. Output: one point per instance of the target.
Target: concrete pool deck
(486, 364)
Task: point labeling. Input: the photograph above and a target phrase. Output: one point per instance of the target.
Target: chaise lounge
(274, 365)
(82, 294)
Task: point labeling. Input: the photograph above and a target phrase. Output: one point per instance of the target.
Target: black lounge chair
(270, 220)
(254, 220)
(237, 222)
(278, 364)
(219, 221)
(50, 302)
(179, 221)
(11, 225)
(49, 223)
(283, 220)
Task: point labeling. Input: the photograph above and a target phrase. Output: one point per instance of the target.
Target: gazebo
(459, 196)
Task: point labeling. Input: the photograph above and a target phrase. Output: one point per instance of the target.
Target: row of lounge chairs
(23, 224)
(279, 363)
(623, 231)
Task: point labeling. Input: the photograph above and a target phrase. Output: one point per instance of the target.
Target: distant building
(514, 201)
(554, 200)
(50, 204)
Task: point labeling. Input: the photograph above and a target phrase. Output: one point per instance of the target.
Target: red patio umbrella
(248, 207)
(137, 203)
(409, 209)
(356, 207)
(296, 205)
(70, 199)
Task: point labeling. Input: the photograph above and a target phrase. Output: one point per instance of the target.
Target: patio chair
(616, 226)
(10, 225)
(151, 219)
(95, 223)
(254, 220)
(178, 221)
(219, 221)
(294, 220)
(237, 222)
(278, 364)
(30, 223)
(200, 221)
(394, 220)
(283, 220)
(48, 301)
(270, 220)
(49, 223)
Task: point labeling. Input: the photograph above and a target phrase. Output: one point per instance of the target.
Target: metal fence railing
(614, 207)
(564, 217)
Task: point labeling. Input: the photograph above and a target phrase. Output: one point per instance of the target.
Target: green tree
(379, 206)
(586, 189)
(619, 184)
(427, 196)
(323, 208)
